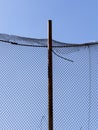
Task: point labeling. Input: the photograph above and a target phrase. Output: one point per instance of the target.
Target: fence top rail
(34, 42)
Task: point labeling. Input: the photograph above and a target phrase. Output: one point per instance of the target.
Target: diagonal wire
(61, 56)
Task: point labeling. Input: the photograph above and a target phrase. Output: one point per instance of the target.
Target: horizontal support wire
(34, 42)
(54, 46)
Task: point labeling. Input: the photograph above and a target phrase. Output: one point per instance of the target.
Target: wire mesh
(74, 90)
(24, 86)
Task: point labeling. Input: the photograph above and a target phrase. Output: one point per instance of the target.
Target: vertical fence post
(50, 84)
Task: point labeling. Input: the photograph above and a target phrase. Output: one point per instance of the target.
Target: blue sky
(23, 78)
(73, 21)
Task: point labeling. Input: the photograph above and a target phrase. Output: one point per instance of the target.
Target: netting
(24, 86)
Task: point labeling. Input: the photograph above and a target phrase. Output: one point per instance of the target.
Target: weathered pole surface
(50, 84)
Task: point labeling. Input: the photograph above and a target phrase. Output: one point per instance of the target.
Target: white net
(23, 84)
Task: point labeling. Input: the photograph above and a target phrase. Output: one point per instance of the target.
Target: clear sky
(23, 71)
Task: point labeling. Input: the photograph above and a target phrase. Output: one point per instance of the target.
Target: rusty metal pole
(50, 84)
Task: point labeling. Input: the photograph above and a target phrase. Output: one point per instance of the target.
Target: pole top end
(49, 20)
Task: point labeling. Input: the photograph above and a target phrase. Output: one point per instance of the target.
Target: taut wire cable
(89, 98)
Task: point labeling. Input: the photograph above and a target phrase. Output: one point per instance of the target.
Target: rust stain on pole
(50, 84)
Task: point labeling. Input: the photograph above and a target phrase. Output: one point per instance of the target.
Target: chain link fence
(76, 91)
(24, 87)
